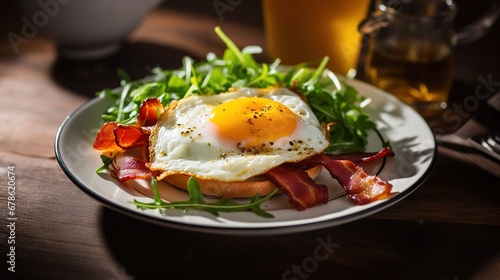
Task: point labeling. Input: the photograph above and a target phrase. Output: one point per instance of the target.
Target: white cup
(84, 29)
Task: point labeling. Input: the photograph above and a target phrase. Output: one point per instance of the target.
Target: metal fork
(480, 133)
(490, 142)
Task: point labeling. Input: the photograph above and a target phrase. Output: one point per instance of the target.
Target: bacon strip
(115, 137)
(354, 157)
(301, 190)
(364, 157)
(359, 186)
(127, 136)
(148, 112)
(105, 139)
(133, 168)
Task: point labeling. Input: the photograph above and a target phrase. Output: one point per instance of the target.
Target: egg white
(185, 141)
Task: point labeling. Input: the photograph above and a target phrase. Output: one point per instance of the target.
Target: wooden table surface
(449, 228)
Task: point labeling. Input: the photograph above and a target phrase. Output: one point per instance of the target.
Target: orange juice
(299, 31)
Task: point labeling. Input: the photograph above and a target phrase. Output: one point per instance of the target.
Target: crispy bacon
(115, 137)
(359, 157)
(359, 186)
(148, 112)
(105, 139)
(133, 168)
(301, 190)
(364, 157)
(128, 136)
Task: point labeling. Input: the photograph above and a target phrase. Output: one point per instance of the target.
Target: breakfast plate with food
(231, 146)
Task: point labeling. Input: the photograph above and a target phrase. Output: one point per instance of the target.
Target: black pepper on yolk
(253, 121)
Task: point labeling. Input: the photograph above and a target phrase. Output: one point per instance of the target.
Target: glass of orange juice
(299, 31)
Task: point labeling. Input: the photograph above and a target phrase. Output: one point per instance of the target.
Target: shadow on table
(364, 249)
(137, 59)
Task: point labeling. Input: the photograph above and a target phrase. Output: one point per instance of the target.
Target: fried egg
(236, 135)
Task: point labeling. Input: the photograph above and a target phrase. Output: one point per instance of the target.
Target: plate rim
(243, 231)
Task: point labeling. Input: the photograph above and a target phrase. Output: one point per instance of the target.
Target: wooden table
(449, 228)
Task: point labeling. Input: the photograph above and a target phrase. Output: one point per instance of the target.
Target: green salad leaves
(332, 100)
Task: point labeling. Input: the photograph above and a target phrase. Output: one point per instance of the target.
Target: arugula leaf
(197, 201)
(106, 162)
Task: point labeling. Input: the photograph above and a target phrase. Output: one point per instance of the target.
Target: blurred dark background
(471, 61)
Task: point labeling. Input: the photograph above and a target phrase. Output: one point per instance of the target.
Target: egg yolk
(253, 121)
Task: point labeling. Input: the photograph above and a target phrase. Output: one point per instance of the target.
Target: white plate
(410, 137)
